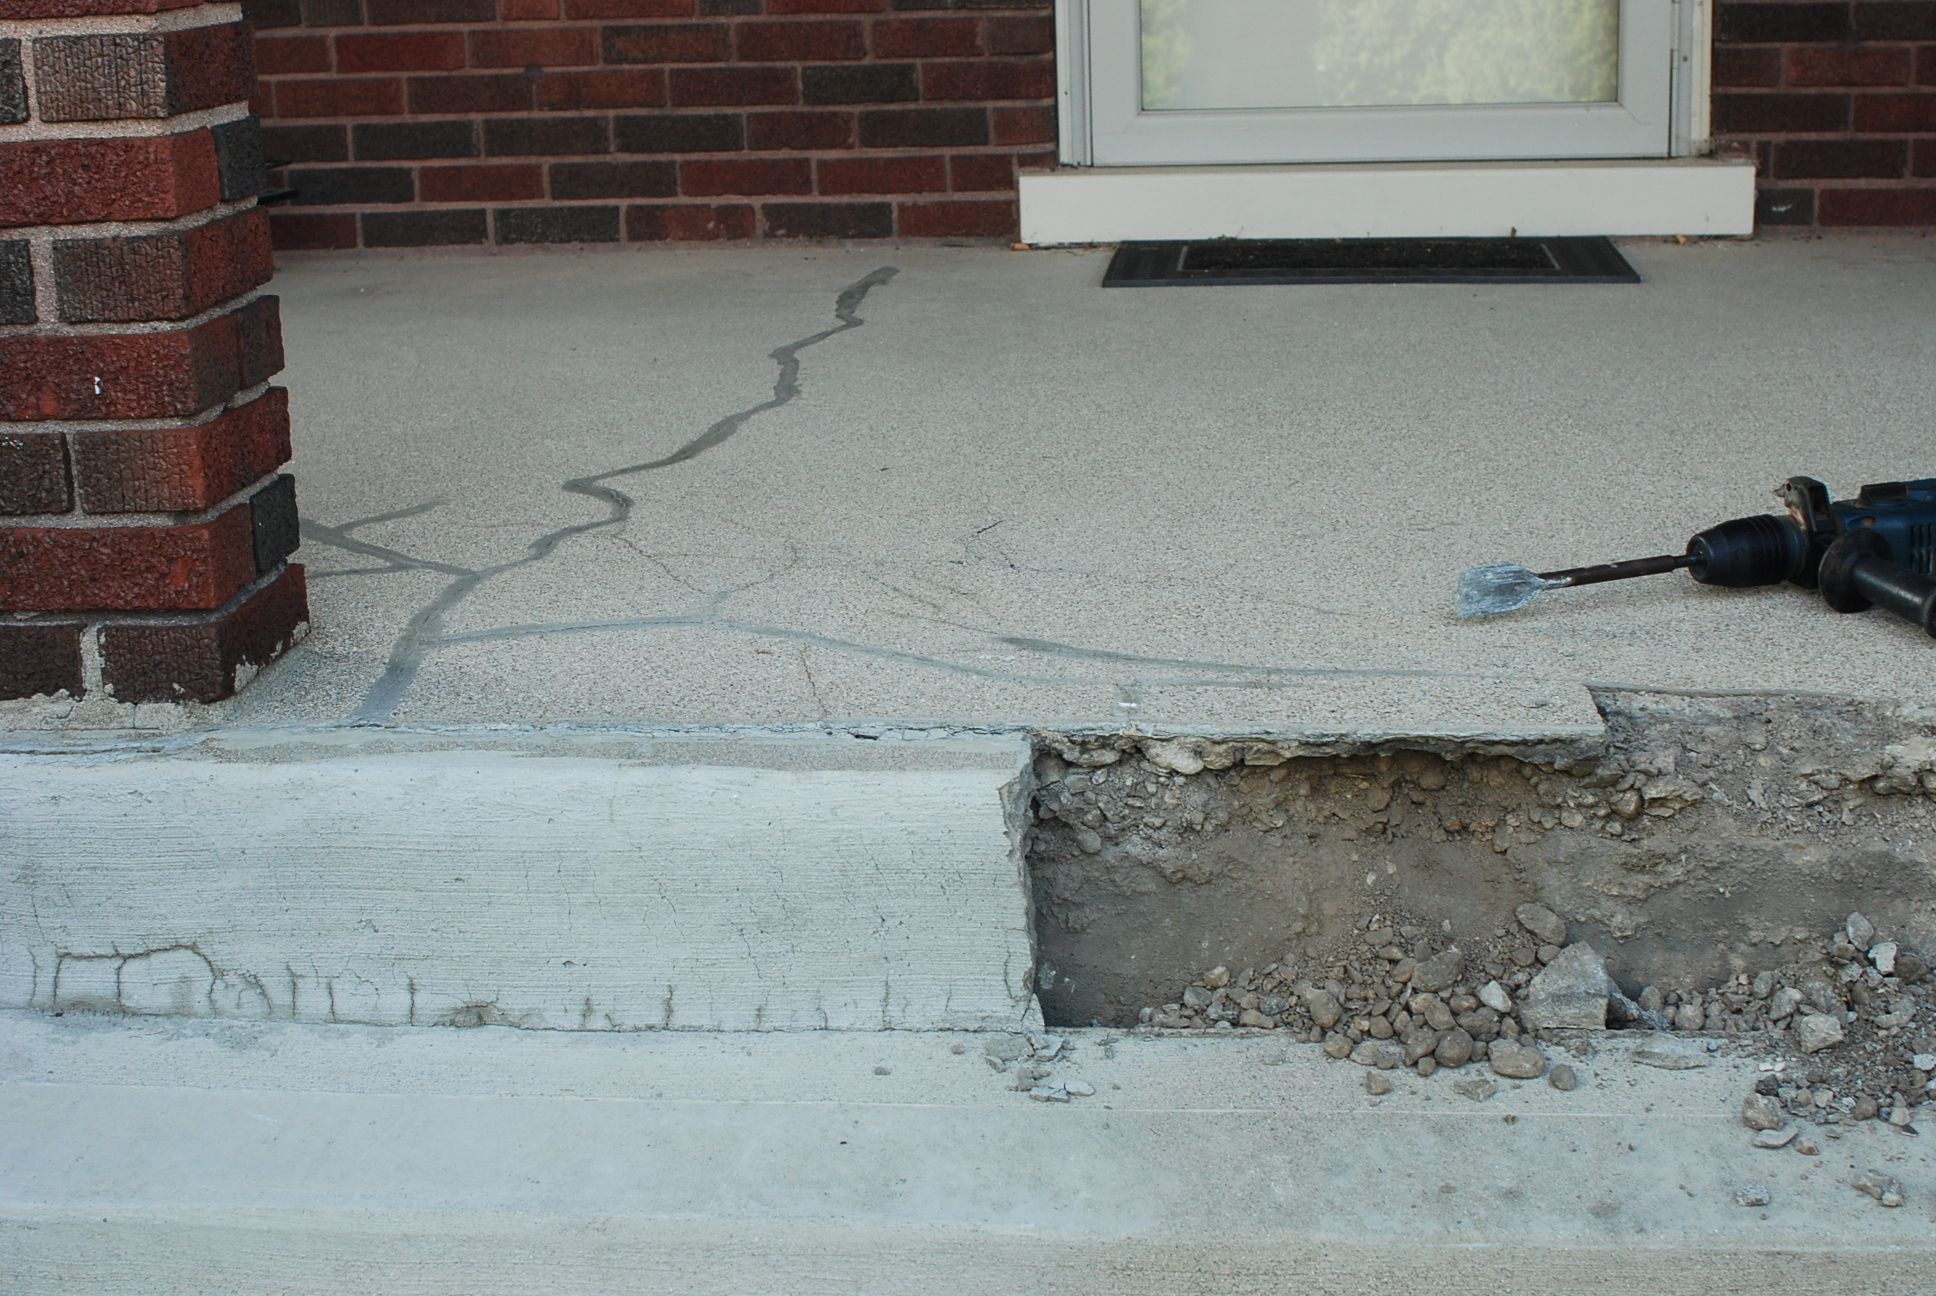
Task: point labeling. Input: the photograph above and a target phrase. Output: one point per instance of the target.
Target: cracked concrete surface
(994, 493)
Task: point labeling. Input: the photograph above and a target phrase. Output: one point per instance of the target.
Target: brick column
(144, 529)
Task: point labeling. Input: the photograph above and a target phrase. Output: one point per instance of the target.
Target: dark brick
(412, 13)
(534, 47)
(289, 55)
(860, 83)
(1896, 20)
(484, 92)
(154, 74)
(259, 341)
(311, 231)
(985, 79)
(1030, 34)
(491, 182)
(732, 86)
(239, 165)
(546, 136)
(927, 37)
(307, 143)
(13, 84)
(1839, 159)
(337, 186)
(1892, 206)
(579, 180)
(602, 88)
(981, 172)
(824, 6)
(397, 141)
(126, 568)
(180, 469)
(264, 15)
(689, 222)
(1926, 65)
(970, 219)
(167, 276)
(1023, 125)
(332, 13)
(799, 130)
(33, 473)
(1923, 165)
(679, 133)
(829, 220)
(608, 9)
(425, 228)
(1848, 67)
(40, 657)
(750, 176)
(1776, 114)
(1911, 111)
(62, 181)
(16, 285)
(273, 525)
(714, 8)
(923, 127)
(1752, 65)
(669, 43)
(1781, 23)
(557, 224)
(432, 51)
(882, 175)
(339, 97)
(527, 10)
(798, 42)
(195, 658)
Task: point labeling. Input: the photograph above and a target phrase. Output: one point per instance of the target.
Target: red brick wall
(144, 530)
(1837, 102)
(423, 122)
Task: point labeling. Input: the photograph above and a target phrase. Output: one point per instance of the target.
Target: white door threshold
(1692, 196)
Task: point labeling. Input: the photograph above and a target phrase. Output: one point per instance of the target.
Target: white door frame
(1663, 110)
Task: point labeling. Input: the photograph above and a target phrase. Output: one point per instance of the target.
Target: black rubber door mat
(1306, 261)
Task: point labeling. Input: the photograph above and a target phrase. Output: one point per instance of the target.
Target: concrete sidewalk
(985, 491)
(229, 1157)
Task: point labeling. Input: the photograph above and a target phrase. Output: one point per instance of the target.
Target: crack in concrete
(423, 632)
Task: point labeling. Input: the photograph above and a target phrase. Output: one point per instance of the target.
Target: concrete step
(566, 879)
(164, 1155)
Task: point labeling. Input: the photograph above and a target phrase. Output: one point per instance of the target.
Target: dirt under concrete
(1714, 836)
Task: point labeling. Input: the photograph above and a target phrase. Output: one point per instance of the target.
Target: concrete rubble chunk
(1543, 923)
(1496, 997)
(1006, 1048)
(1569, 992)
(1671, 1055)
(1818, 1031)
(1783, 1003)
(1516, 1061)
(1477, 1088)
(1885, 1188)
(1441, 970)
(1759, 1112)
(1882, 955)
(1861, 932)
(1776, 1138)
(1753, 1194)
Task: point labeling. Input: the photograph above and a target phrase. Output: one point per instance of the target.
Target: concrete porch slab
(967, 486)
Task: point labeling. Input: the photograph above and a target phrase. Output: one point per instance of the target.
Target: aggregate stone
(1251, 1017)
(1783, 1003)
(1420, 1041)
(1807, 1146)
(1324, 1008)
(1515, 1061)
(1337, 1046)
(1775, 1138)
(1759, 1112)
(1570, 992)
(1865, 1109)
(1671, 1055)
(1427, 1066)
(1477, 1088)
(1924, 1061)
(1454, 1048)
(1543, 923)
(1901, 1117)
(1441, 970)
(1817, 1032)
(1861, 931)
(1690, 1017)
(1197, 997)
(1886, 1189)
(1376, 1082)
(1088, 841)
(1371, 1053)
(1437, 1015)
(1494, 996)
